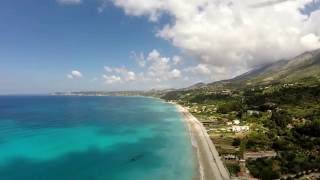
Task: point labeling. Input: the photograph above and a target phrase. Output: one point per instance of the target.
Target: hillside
(302, 66)
(306, 65)
(272, 111)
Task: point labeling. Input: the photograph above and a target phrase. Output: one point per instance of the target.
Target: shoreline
(209, 164)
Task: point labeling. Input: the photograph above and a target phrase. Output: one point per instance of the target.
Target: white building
(253, 112)
(236, 122)
(240, 128)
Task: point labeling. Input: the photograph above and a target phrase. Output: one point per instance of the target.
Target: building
(226, 92)
(261, 154)
(230, 157)
(240, 128)
(253, 112)
(236, 122)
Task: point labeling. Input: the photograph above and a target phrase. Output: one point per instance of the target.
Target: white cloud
(162, 72)
(176, 60)
(311, 41)
(131, 76)
(153, 55)
(111, 79)
(141, 7)
(102, 6)
(175, 73)
(108, 69)
(69, 76)
(69, 2)
(139, 58)
(232, 34)
(200, 69)
(126, 74)
(159, 66)
(74, 74)
(120, 75)
(158, 72)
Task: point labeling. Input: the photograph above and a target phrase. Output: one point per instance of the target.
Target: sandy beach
(209, 163)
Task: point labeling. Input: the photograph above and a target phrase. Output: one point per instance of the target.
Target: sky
(83, 45)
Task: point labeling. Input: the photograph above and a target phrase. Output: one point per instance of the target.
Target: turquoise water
(92, 138)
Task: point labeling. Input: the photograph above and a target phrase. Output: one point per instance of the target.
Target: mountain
(196, 86)
(306, 65)
(300, 67)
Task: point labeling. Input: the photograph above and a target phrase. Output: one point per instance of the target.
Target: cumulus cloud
(311, 41)
(232, 34)
(175, 73)
(111, 79)
(69, 76)
(177, 60)
(108, 69)
(120, 74)
(139, 58)
(69, 2)
(158, 65)
(126, 74)
(200, 69)
(158, 71)
(74, 74)
(152, 8)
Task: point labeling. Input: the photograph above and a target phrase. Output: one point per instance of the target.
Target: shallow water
(109, 138)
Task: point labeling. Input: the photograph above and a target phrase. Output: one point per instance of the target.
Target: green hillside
(279, 104)
(306, 65)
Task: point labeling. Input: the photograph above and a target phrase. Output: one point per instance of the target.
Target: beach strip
(210, 164)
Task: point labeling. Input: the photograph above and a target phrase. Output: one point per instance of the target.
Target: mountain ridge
(305, 65)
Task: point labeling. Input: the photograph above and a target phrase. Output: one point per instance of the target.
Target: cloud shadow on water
(93, 164)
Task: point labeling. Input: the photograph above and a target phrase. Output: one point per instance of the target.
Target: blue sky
(69, 45)
(42, 41)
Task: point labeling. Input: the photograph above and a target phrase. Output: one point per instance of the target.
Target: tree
(236, 142)
(281, 118)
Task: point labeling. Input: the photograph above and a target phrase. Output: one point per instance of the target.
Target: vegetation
(274, 108)
(284, 118)
(233, 168)
(264, 168)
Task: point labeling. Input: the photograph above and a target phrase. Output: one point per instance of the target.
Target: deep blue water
(92, 138)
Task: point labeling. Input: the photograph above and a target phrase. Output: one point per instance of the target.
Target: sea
(93, 138)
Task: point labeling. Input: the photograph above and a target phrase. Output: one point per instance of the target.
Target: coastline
(208, 163)
(210, 166)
